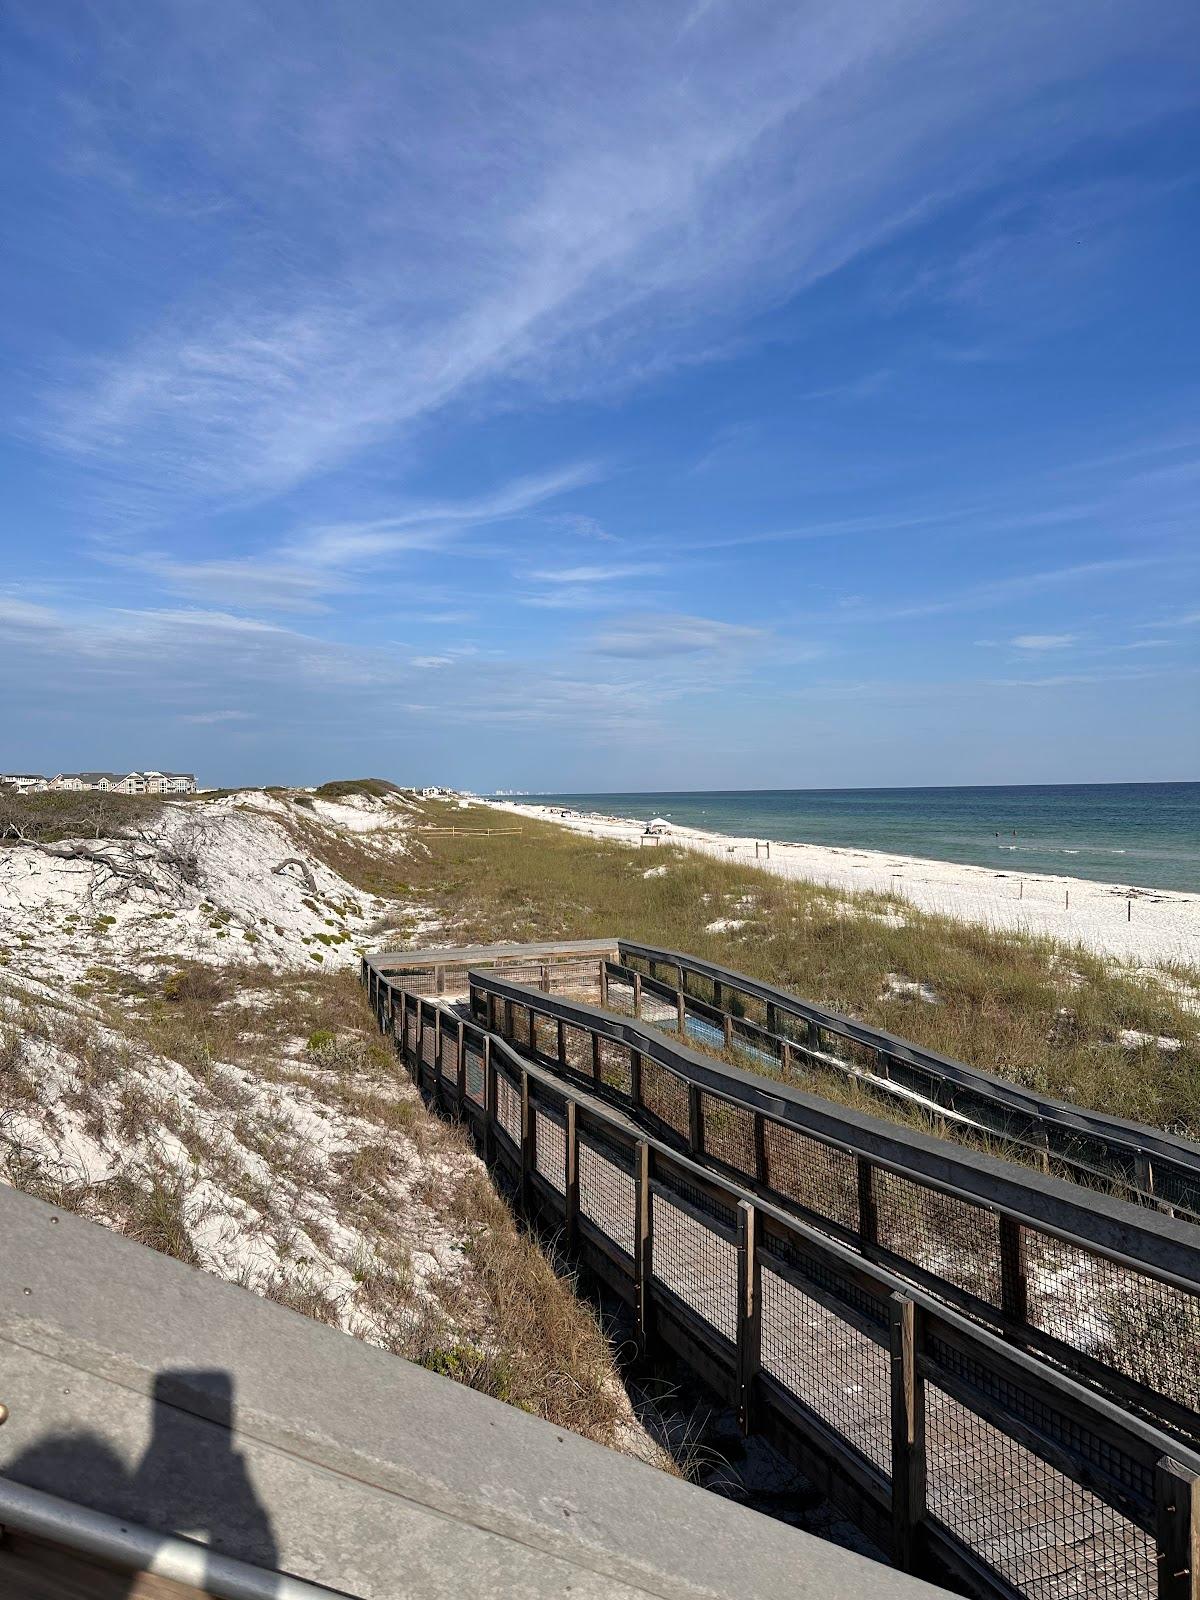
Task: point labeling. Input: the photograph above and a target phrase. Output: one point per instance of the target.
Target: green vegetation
(1038, 1013)
(84, 814)
(341, 787)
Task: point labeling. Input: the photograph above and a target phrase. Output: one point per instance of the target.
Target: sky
(715, 394)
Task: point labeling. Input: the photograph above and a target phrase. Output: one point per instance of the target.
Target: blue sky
(614, 396)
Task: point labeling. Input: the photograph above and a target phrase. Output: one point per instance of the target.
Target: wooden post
(596, 1062)
(461, 1073)
(635, 1076)
(761, 1174)
(603, 983)
(749, 1320)
(643, 1256)
(437, 1055)
(528, 1139)
(695, 1120)
(439, 979)
(868, 1213)
(1014, 1287)
(718, 994)
(908, 1435)
(787, 1058)
(561, 1042)
(772, 1018)
(1177, 1498)
(637, 994)
(728, 1031)
(489, 1102)
(681, 1010)
(544, 978)
(571, 1177)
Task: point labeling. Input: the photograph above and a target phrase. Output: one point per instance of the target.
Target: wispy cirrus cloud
(1044, 641)
(616, 573)
(302, 571)
(781, 152)
(653, 636)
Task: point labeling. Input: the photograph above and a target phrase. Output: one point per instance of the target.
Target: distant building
(151, 782)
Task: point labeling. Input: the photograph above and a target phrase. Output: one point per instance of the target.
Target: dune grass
(1043, 1014)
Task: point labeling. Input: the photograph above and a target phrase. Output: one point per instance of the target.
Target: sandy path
(1163, 925)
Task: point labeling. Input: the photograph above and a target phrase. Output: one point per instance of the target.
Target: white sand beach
(1146, 927)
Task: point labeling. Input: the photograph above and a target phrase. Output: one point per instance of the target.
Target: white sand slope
(1140, 926)
(62, 917)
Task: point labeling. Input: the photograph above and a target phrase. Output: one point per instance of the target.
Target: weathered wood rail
(722, 1007)
(933, 1335)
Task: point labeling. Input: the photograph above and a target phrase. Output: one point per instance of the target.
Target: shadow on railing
(760, 1235)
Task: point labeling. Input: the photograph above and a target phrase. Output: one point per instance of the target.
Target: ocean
(1142, 834)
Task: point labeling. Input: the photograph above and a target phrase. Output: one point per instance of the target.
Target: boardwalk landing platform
(148, 1400)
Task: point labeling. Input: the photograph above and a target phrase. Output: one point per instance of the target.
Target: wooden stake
(908, 1435)
(749, 1322)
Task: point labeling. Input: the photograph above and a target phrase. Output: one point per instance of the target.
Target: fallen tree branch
(127, 870)
(310, 883)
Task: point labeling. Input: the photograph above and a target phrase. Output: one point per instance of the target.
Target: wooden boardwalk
(900, 1314)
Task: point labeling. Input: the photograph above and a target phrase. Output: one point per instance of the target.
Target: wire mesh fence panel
(664, 1093)
(698, 986)
(545, 1037)
(696, 1263)
(428, 1041)
(856, 1055)
(578, 1045)
(1146, 1329)
(830, 1365)
(521, 1032)
(659, 1011)
(474, 1072)
(620, 996)
(550, 1149)
(729, 1133)
(449, 1053)
(607, 1193)
(815, 1175)
(948, 1237)
(709, 1034)
(508, 1107)
(1048, 1536)
(614, 1066)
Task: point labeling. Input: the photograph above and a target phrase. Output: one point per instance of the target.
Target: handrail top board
(383, 961)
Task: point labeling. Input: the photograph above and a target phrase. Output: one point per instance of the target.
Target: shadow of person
(190, 1473)
(190, 1480)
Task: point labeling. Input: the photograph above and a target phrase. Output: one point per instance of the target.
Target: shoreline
(1135, 924)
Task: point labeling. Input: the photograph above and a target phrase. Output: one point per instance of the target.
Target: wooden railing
(1108, 1289)
(956, 1444)
(721, 1006)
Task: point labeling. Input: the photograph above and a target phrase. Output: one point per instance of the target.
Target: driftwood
(310, 883)
(127, 871)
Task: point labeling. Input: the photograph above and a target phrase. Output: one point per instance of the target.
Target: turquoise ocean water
(1143, 834)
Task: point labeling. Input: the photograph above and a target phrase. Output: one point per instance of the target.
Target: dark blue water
(1141, 834)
